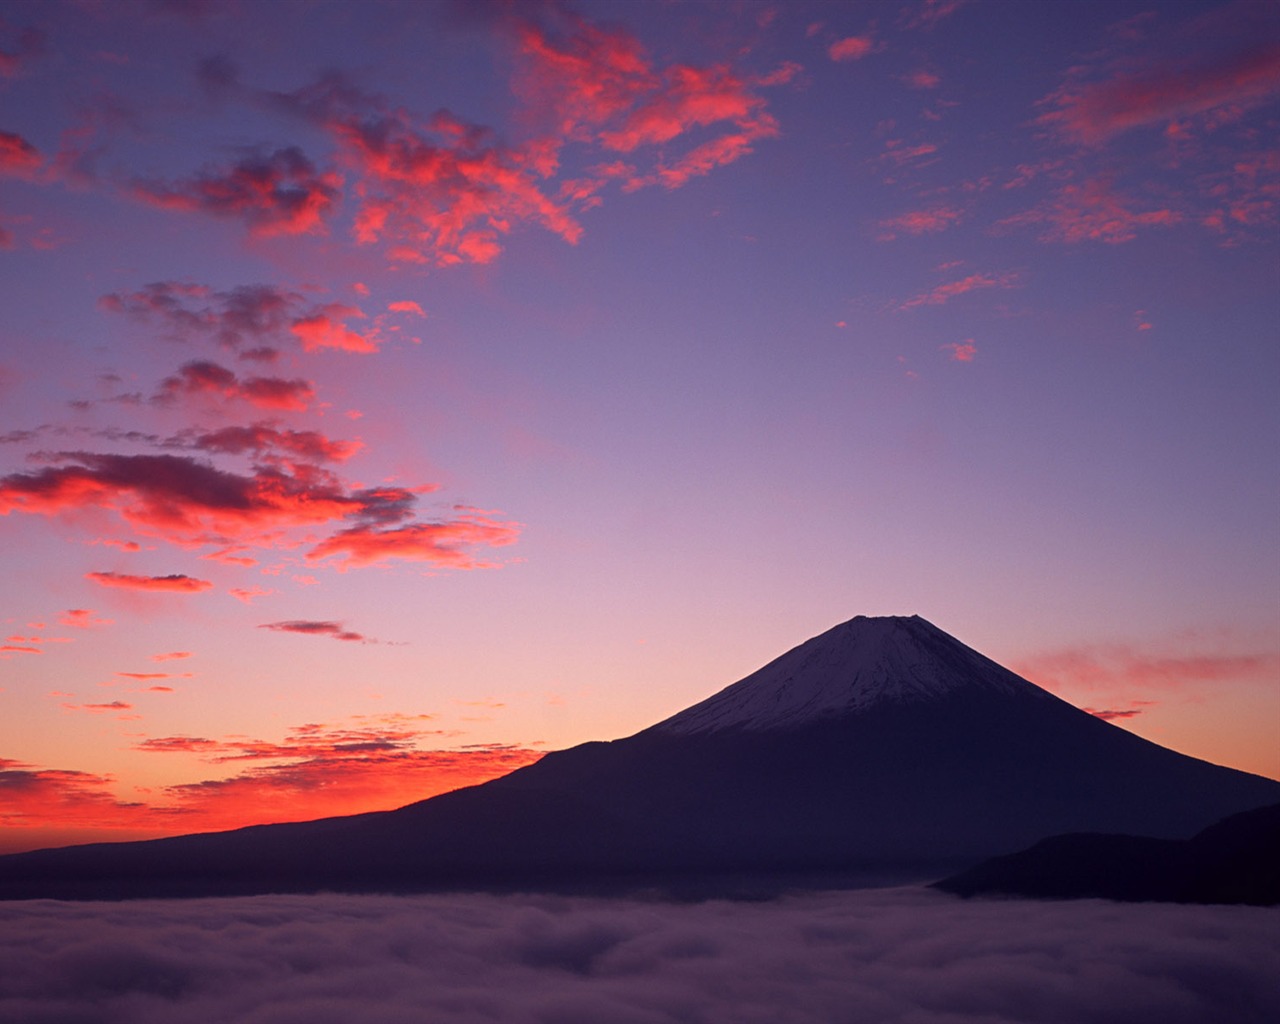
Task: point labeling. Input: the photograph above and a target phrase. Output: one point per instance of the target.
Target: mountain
(1236, 860)
(882, 747)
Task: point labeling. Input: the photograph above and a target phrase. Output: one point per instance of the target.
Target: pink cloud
(898, 152)
(1092, 211)
(18, 649)
(28, 44)
(82, 618)
(952, 289)
(267, 441)
(447, 544)
(17, 156)
(99, 709)
(247, 594)
(919, 222)
(171, 656)
(175, 582)
(961, 351)
(325, 329)
(406, 307)
(851, 48)
(279, 194)
(1120, 667)
(929, 13)
(1097, 112)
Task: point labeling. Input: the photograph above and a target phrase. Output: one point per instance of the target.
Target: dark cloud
(281, 193)
(312, 628)
(203, 377)
(898, 956)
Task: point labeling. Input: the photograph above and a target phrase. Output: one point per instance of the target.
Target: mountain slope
(881, 746)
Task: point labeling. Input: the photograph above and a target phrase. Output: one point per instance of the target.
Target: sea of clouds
(884, 955)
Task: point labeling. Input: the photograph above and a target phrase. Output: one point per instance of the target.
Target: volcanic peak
(848, 669)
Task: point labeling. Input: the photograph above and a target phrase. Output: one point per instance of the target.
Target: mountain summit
(882, 746)
(850, 668)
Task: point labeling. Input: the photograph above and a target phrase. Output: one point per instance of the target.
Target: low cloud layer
(895, 955)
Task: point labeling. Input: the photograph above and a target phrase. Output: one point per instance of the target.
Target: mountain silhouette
(881, 748)
(1236, 860)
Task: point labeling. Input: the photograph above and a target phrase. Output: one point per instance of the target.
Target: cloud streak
(175, 582)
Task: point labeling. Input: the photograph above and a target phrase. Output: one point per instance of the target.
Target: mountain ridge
(937, 759)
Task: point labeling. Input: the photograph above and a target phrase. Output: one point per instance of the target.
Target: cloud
(174, 582)
(248, 315)
(1124, 667)
(898, 152)
(22, 45)
(19, 649)
(325, 329)
(442, 543)
(278, 194)
(267, 440)
(851, 48)
(919, 222)
(17, 156)
(961, 351)
(1097, 112)
(310, 627)
(1112, 715)
(1092, 211)
(892, 955)
(247, 594)
(952, 289)
(82, 618)
(99, 709)
(928, 13)
(33, 796)
(203, 377)
(406, 307)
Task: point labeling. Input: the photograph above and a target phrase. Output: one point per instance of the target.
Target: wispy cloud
(944, 293)
(1094, 113)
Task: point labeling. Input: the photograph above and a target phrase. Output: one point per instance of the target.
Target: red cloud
(204, 377)
(406, 307)
(247, 594)
(602, 87)
(961, 351)
(17, 156)
(265, 440)
(31, 796)
(280, 194)
(919, 222)
(80, 618)
(947, 292)
(1092, 211)
(312, 628)
(175, 582)
(444, 191)
(445, 544)
(1098, 112)
(15, 649)
(325, 329)
(851, 48)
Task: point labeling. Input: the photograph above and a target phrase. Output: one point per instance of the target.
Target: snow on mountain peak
(849, 668)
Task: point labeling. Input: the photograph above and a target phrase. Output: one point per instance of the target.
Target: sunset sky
(393, 392)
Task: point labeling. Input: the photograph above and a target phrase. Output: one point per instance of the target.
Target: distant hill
(881, 748)
(1236, 860)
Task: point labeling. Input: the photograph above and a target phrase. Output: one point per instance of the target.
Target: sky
(393, 392)
(901, 956)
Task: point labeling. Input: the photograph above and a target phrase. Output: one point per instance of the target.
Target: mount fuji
(883, 748)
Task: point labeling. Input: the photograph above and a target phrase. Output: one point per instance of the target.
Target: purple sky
(394, 391)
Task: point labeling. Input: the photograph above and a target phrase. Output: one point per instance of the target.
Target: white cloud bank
(890, 955)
